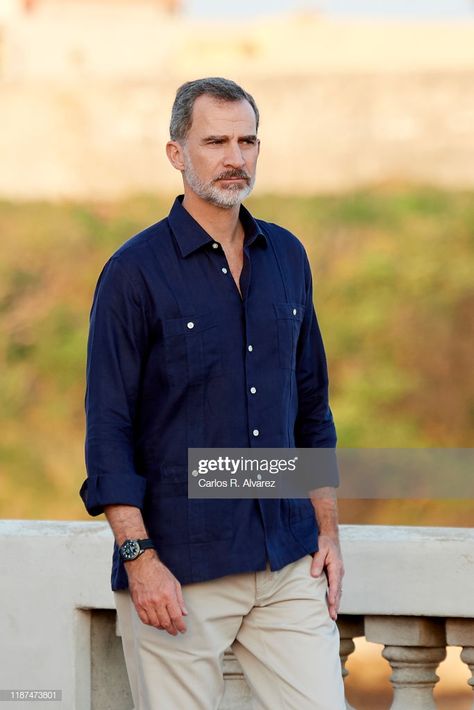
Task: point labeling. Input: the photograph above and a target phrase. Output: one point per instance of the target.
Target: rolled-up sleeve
(116, 348)
(314, 427)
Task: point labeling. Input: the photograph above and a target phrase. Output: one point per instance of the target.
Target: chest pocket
(193, 351)
(289, 317)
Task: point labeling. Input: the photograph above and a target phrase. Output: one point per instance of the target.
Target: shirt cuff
(98, 491)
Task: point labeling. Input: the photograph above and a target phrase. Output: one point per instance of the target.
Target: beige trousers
(277, 624)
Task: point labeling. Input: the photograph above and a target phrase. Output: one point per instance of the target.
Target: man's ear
(174, 151)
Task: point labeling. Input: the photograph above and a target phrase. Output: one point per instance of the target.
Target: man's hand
(156, 593)
(329, 557)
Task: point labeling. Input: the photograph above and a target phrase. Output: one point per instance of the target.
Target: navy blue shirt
(177, 358)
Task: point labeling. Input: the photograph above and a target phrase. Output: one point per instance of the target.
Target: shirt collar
(191, 236)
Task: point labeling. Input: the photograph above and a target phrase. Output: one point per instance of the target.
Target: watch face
(130, 550)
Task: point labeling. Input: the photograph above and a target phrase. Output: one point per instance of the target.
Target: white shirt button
(215, 245)
(190, 324)
(255, 432)
(250, 348)
(294, 311)
(224, 270)
(253, 390)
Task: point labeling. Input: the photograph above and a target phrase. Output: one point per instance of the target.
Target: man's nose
(233, 156)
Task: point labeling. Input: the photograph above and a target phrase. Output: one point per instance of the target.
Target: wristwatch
(131, 549)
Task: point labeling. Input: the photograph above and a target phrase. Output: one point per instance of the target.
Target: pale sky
(398, 9)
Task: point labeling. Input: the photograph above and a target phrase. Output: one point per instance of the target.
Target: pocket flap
(293, 311)
(187, 325)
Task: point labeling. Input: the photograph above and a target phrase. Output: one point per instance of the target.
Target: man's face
(221, 150)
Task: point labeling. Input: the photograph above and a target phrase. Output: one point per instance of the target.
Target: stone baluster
(237, 694)
(460, 632)
(349, 628)
(414, 647)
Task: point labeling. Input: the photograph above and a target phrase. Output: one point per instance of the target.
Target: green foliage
(393, 289)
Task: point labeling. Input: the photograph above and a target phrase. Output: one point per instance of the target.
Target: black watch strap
(131, 549)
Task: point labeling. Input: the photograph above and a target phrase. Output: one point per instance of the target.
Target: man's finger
(334, 598)
(179, 594)
(146, 610)
(166, 622)
(142, 615)
(332, 605)
(333, 591)
(142, 609)
(334, 573)
(335, 583)
(317, 564)
(152, 616)
(176, 617)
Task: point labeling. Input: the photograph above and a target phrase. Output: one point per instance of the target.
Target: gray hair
(218, 88)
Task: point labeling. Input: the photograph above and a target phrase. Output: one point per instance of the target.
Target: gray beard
(225, 197)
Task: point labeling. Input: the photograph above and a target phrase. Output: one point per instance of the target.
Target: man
(203, 334)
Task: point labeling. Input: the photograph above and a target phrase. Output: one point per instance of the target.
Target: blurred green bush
(394, 292)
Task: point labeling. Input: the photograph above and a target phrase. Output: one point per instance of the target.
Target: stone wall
(412, 586)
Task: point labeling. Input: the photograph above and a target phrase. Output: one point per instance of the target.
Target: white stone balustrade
(411, 589)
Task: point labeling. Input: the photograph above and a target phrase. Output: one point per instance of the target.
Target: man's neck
(220, 223)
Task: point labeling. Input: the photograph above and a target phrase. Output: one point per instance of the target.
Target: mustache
(229, 174)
